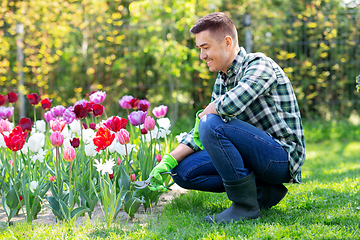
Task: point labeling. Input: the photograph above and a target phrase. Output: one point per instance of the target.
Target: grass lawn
(325, 206)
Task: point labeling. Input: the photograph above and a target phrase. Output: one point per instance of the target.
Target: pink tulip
(158, 157)
(11, 162)
(57, 139)
(57, 125)
(123, 136)
(4, 125)
(133, 177)
(160, 111)
(48, 116)
(69, 115)
(51, 178)
(137, 118)
(149, 123)
(97, 97)
(118, 161)
(69, 153)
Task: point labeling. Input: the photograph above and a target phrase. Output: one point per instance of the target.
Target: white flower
(120, 149)
(39, 156)
(90, 150)
(179, 137)
(33, 185)
(106, 167)
(66, 142)
(98, 165)
(2, 141)
(41, 126)
(75, 127)
(25, 148)
(164, 123)
(65, 132)
(36, 141)
(88, 135)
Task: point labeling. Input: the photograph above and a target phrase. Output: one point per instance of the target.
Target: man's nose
(203, 55)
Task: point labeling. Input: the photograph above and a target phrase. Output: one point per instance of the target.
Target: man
(249, 139)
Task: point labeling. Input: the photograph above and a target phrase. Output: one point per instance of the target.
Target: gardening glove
(167, 163)
(196, 136)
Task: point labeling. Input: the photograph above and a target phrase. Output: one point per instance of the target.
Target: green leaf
(64, 210)
(12, 199)
(132, 206)
(78, 211)
(55, 207)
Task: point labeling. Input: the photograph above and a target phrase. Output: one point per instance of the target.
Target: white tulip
(75, 127)
(33, 185)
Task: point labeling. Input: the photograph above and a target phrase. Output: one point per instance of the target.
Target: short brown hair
(218, 23)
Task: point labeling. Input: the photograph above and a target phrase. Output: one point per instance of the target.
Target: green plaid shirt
(256, 90)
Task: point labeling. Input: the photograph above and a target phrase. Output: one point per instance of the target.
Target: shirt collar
(235, 65)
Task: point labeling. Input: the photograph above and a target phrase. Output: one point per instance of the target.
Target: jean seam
(271, 163)
(197, 166)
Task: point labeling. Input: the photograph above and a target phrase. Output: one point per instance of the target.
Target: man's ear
(228, 42)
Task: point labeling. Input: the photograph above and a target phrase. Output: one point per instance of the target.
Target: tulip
(92, 126)
(88, 136)
(143, 105)
(4, 125)
(35, 142)
(125, 102)
(69, 153)
(115, 123)
(118, 161)
(52, 179)
(58, 111)
(143, 131)
(57, 139)
(33, 185)
(98, 110)
(26, 124)
(57, 125)
(46, 103)
(69, 115)
(111, 175)
(6, 112)
(75, 142)
(20, 198)
(41, 126)
(158, 157)
(3, 99)
(97, 97)
(137, 118)
(48, 116)
(81, 111)
(90, 150)
(160, 111)
(149, 123)
(33, 99)
(123, 136)
(12, 97)
(16, 139)
(133, 177)
(75, 127)
(103, 138)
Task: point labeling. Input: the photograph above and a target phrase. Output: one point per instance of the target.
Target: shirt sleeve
(258, 78)
(188, 140)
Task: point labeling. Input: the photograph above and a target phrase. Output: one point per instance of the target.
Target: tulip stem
(14, 168)
(69, 175)
(57, 162)
(126, 159)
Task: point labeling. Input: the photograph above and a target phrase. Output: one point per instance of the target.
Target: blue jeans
(231, 151)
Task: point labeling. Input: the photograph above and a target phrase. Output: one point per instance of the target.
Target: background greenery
(144, 49)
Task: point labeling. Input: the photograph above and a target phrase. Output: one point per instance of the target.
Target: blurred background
(64, 50)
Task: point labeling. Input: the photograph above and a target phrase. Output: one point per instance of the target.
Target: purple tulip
(69, 115)
(125, 102)
(6, 112)
(137, 118)
(58, 111)
(97, 97)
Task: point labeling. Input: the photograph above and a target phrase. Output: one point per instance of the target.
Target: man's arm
(181, 151)
(210, 109)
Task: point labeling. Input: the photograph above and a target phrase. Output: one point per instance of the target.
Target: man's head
(216, 37)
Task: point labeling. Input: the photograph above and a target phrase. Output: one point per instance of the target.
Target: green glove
(167, 163)
(196, 136)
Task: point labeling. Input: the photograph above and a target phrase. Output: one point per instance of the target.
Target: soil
(46, 216)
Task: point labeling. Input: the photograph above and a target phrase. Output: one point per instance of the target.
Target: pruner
(144, 184)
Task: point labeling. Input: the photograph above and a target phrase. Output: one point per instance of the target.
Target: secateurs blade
(144, 184)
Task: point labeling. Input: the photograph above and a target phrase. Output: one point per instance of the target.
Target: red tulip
(98, 109)
(26, 124)
(92, 126)
(75, 142)
(144, 131)
(3, 99)
(46, 103)
(158, 157)
(111, 176)
(116, 123)
(143, 105)
(12, 97)
(16, 139)
(21, 198)
(81, 111)
(103, 138)
(33, 99)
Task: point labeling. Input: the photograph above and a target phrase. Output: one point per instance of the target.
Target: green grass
(325, 206)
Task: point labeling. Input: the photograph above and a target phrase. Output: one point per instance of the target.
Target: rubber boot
(268, 195)
(243, 195)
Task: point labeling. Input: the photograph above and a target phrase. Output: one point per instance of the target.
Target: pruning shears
(144, 184)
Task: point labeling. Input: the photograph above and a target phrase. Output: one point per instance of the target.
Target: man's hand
(167, 163)
(196, 136)
(210, 109)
